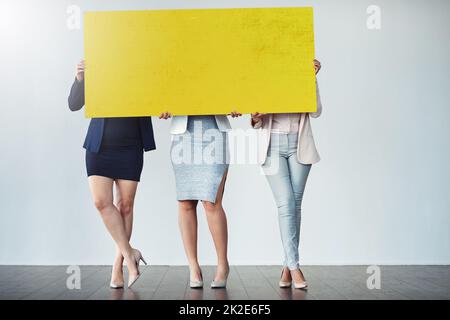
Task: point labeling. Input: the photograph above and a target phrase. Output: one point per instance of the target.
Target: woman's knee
(126, 206)
(286, 207)
(101, 204)
(211, 207)
(298, 195)
(187, 205)
(298, 198)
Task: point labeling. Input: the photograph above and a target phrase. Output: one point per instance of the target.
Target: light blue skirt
(200, 159)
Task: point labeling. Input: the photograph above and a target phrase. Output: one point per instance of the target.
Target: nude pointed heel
(132, 280)
(113, 285)
(220, 283)
(137, 255)
(284, 284)
(196, 284)
(138, 258)
(301, 284)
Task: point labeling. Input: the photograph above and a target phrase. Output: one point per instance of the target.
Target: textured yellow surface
(200, 61)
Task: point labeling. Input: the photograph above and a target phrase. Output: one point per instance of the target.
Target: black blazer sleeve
(76, 96)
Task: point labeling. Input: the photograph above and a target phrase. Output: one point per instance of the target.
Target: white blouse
(285, 123)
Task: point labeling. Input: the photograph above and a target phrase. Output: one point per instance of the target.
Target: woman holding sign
(287, 153)
(199, 156)
(114, 155)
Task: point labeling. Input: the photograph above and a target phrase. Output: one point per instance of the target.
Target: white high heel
(138, 258)
(196, 284)
(137, 255)
(220, 283)
(301, 284)
(115, 286)
(284, 284)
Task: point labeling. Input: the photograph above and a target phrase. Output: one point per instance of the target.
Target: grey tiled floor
(245, 282)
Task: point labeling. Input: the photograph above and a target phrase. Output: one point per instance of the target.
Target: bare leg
(126, 192)
(102, 194)
(187, 219)
(217, 222)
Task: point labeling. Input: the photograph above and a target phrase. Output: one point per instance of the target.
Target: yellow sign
(198, 62)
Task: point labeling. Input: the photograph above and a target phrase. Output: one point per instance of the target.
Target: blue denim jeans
(287, 179)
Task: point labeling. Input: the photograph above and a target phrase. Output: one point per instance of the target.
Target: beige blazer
(306, 148)
(179, 124)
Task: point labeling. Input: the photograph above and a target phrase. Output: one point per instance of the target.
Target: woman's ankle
(195, 272)
(297, 274)
(118, 260)
(223, 264)
(194, 266)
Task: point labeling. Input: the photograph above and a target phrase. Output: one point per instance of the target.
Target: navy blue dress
(114, 146)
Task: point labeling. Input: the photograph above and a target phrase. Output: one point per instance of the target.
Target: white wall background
(381, 194)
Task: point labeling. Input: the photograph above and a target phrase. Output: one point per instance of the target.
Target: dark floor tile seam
(416, 270)
(242, 282)
(428, 290)
(407, 295)
(99, 270)
(434, 281)
(99, 286)
(391, 290)
(186, 285)
(276, 289)
(407, 280)
(159, 283)
(352, 286)
(326, 284)
(395, 290)
(439, 282)
(267, 283)
(19, 275)
(236, 288)
(47, 284)
(182, 294)
(54, 281)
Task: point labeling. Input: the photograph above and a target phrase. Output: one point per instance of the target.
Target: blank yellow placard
(199, 61)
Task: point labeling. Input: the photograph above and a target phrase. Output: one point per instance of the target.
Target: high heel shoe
(196, 284)
(138, 258)
(284, 284)
(220, 283)
(137, 255)
(115, 286)
(301, 284)
(132, 279)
